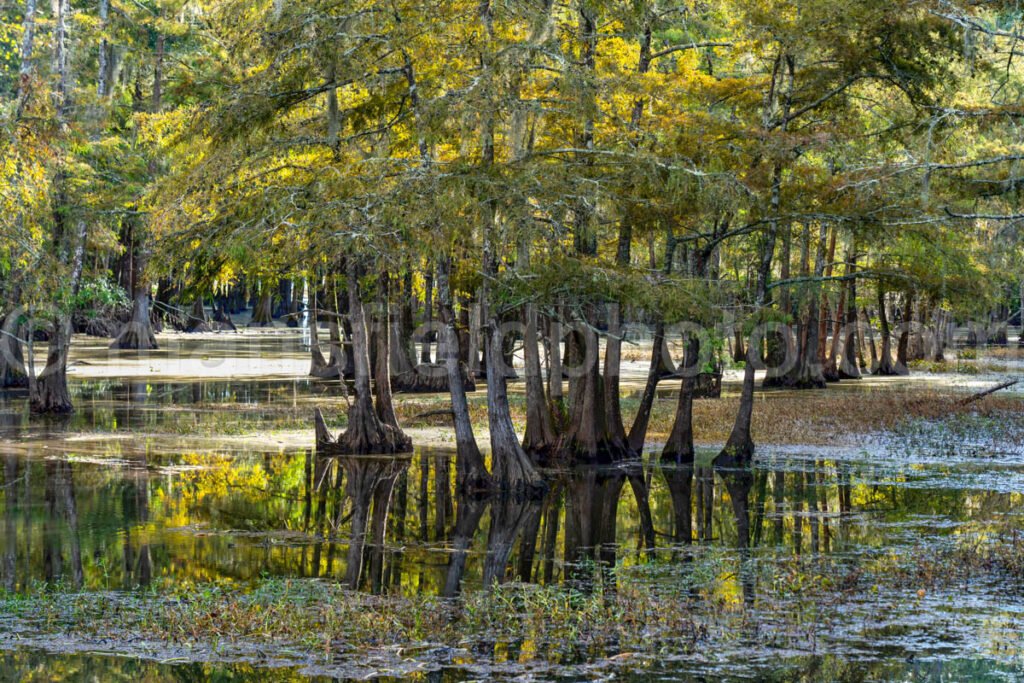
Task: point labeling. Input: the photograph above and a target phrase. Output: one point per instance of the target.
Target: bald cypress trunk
(739, 448)
(540, 440)
(638, 432)
(366, 433)
(823, 312)
(809, 372)
(48, 392)
(385, 404)
(512, 470)
(137, 334)
(679, 447)
(849, 368)
(586, 437)
(470, 472)
(555, 371)
(318, 364)
(13, 373)
(660, 362)
(615, 431)
(197, 320)
(831, 370)
(511, 467)
(777, 341)
(885, 364)
(263, 312)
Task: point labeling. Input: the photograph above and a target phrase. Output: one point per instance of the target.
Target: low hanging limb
(982, 394)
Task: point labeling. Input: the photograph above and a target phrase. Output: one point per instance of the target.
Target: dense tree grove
(448, 185)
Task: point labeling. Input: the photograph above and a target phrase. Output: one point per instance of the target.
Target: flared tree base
(429, 378)
(50, 396)
(735, 455)
(136, 337)
(605, 452)
(365, 435)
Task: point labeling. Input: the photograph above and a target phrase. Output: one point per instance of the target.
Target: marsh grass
(820, 417)
(680, 602)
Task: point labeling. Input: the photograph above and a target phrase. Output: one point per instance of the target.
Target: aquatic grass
(818, 417)
(677, 606)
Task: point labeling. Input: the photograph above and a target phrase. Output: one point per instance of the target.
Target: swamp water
(856, 568)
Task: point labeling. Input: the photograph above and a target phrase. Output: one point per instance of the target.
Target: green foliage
(100, 295)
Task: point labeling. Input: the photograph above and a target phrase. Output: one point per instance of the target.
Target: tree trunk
(319, 366)
(27, 43)
(382, 370)
(586, 439)
(473, 342)
(285, 292)
(823, 310)
(197, 320)
(263, 312)
(102, 84)
(885, 364)
(615, 431)
(638, 432)
(849, 368)
(13, 373)
(470, 472)
(778, 341)
(158, 73)
(48, 392)
(871, 339)
(555, 372)
(739, 449)
(221, 316)
(540, 440)
(902, 345)
(679, 447)
(138, 333)
(810, 372)
(511, 467)
(366, 433)
(831, 370)
(938, 350)
(428, 316)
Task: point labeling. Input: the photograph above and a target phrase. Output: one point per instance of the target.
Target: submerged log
(982, 394)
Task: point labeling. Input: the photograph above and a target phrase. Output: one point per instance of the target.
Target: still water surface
(129, 513)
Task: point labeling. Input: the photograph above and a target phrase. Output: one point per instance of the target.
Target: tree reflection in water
(129, 519)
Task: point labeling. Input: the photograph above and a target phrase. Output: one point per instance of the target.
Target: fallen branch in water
(982, 394)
